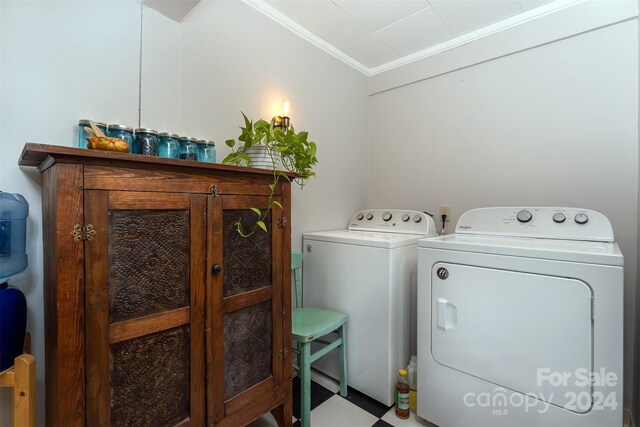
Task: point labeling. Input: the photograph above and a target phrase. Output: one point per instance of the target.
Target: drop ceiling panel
(345, 33)
(417, 32)
(378, 14)
(532, 4)
(302, 11)
(463, 16)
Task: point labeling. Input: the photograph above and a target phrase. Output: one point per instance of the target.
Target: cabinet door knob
(216, 269)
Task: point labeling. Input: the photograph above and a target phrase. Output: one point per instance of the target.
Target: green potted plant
(261, 144)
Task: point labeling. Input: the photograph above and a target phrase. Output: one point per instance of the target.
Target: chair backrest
(296, 268)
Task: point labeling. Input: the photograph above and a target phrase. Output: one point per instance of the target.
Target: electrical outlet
(445, 210)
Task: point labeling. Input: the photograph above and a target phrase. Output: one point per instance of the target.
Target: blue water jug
(14, 210)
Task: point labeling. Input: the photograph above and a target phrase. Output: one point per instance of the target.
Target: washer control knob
(406, 217)
(524, 216)
(386, 216)
(559, 217)
(581, 218)
(359, 216)
(369, 216)
(417, 218)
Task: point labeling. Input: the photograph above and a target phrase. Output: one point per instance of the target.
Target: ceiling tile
(420, 31)
(463, 16)
(301, 11)
(351, 37)
(532, 4)
(377, 14)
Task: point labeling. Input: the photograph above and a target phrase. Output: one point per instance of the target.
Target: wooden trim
(96, 304)
(245, 202)
(135, 177)
(276, 303)
(64, 297)
(197, 281)
(135, 328)
(215, 320)
(238, 415)
(247, 299)
(145, 200)
(242, 400)
(34, 154)
(285, 190)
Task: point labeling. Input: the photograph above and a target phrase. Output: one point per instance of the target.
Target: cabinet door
(245, 316)
(144, 305)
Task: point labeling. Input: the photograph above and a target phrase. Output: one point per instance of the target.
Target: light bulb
(285, 108)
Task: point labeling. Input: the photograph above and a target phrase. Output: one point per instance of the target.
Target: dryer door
(526, 332)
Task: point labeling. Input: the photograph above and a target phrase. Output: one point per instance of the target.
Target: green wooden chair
(310, 324)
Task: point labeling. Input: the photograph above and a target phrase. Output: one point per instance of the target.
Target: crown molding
(508, 23)
(301, 31)
(480, 33)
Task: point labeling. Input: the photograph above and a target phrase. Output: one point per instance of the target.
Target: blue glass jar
(206, 151)
(188, 148)
(168, 145)
(14, 210)
(146, 142)
(83, 134)
(121, 132)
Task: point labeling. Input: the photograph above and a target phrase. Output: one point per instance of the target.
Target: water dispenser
(14, 210)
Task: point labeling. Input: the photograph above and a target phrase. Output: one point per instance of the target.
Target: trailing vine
(296, 154)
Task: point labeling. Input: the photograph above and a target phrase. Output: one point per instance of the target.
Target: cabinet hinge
(282, 222)
(83, 232)
(283, 353)
(213, 189)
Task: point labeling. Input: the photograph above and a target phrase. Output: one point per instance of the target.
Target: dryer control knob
(369, 216)
(406, 217)
(417, 218)
(559, 217)
(524, 216)
(359, 216)
(581, 218)
(386, 216)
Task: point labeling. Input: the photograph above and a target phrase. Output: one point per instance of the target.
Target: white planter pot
(260, 158)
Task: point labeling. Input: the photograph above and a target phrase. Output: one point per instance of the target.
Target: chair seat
(311, 323)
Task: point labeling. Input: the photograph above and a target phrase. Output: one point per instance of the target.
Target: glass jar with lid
(83, 134)
(188, 148)
(168, 145)
(206, 151)
(121, 132)
(146, 142)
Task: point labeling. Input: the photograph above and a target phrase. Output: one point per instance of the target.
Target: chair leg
(24, 391)
(304, 359)
(342, 360)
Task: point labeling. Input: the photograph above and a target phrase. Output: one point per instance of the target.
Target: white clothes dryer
(520, 320)
(368, 272)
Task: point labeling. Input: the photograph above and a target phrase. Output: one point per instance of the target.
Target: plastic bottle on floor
(412, 371)
(402, 395)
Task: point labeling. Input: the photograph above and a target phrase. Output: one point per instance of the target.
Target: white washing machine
(368, 272)
(520, 320)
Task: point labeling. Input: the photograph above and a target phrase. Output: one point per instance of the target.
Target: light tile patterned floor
(329, 409)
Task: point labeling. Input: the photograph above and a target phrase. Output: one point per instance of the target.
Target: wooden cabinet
(158, 313)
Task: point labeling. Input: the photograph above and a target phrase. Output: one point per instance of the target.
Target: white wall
(58, 66)
(551, 126)
(233, 59)
(161, 65)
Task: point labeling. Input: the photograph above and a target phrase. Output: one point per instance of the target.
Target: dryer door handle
(447, 314)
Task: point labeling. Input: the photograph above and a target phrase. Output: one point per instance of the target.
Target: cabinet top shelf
(43, 156)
